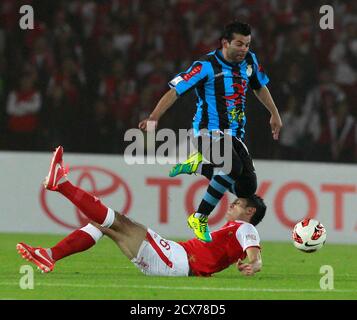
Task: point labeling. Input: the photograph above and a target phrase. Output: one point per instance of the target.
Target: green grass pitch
(104, 273)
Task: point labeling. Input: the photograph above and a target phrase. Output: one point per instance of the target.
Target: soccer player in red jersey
(237, 240)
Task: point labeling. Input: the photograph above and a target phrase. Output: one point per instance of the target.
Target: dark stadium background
(101, 66)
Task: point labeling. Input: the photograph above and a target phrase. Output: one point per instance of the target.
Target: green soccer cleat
(200, 227)
(188, 167)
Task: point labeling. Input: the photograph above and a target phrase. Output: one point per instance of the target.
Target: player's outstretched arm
(255, 262)
(264, 96)
(165, 103)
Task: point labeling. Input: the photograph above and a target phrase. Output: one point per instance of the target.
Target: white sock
(109, 219)
(200, 215)
(93, 231)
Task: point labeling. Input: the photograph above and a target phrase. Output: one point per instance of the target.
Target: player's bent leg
(246, 186)
(79, 240)
(126, 233)
(227, 171)
(45, 258)
(90, 205)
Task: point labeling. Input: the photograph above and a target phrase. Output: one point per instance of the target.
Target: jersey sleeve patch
(185, 81)
(175, 81)
(195, 70)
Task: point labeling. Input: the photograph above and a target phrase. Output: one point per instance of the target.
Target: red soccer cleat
(57, 170)
(38, 256)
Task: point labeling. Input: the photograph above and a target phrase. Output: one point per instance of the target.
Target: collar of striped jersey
(219, 55)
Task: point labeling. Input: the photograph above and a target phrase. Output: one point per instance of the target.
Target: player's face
(236, 209)
(237, 48)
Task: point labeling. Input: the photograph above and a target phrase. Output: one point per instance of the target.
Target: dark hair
(257, 203)
(235, 27)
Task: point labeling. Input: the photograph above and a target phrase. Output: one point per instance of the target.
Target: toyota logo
(90, 175)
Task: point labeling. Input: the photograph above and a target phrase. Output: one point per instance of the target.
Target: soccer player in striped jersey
(237, 240)
(220, 81)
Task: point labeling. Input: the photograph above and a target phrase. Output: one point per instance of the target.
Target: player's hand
(245, 268)
(148, 124)
(275, 124)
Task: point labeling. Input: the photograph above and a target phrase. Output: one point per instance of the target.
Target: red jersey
(229, 244)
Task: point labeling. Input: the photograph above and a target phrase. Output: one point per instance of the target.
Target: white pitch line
(118, 286)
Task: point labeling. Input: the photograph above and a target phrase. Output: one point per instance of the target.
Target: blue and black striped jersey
(221, 89)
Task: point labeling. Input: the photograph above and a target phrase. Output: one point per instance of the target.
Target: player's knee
(104, 230)
(115, 227)
(236, 171)
(246, 189)
(252, 187)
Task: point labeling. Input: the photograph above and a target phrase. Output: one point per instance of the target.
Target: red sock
(90, 205)
(77, 241)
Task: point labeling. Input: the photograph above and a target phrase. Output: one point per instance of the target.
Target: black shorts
(242, 169)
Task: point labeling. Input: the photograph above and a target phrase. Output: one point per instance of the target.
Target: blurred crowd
(90, 70)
